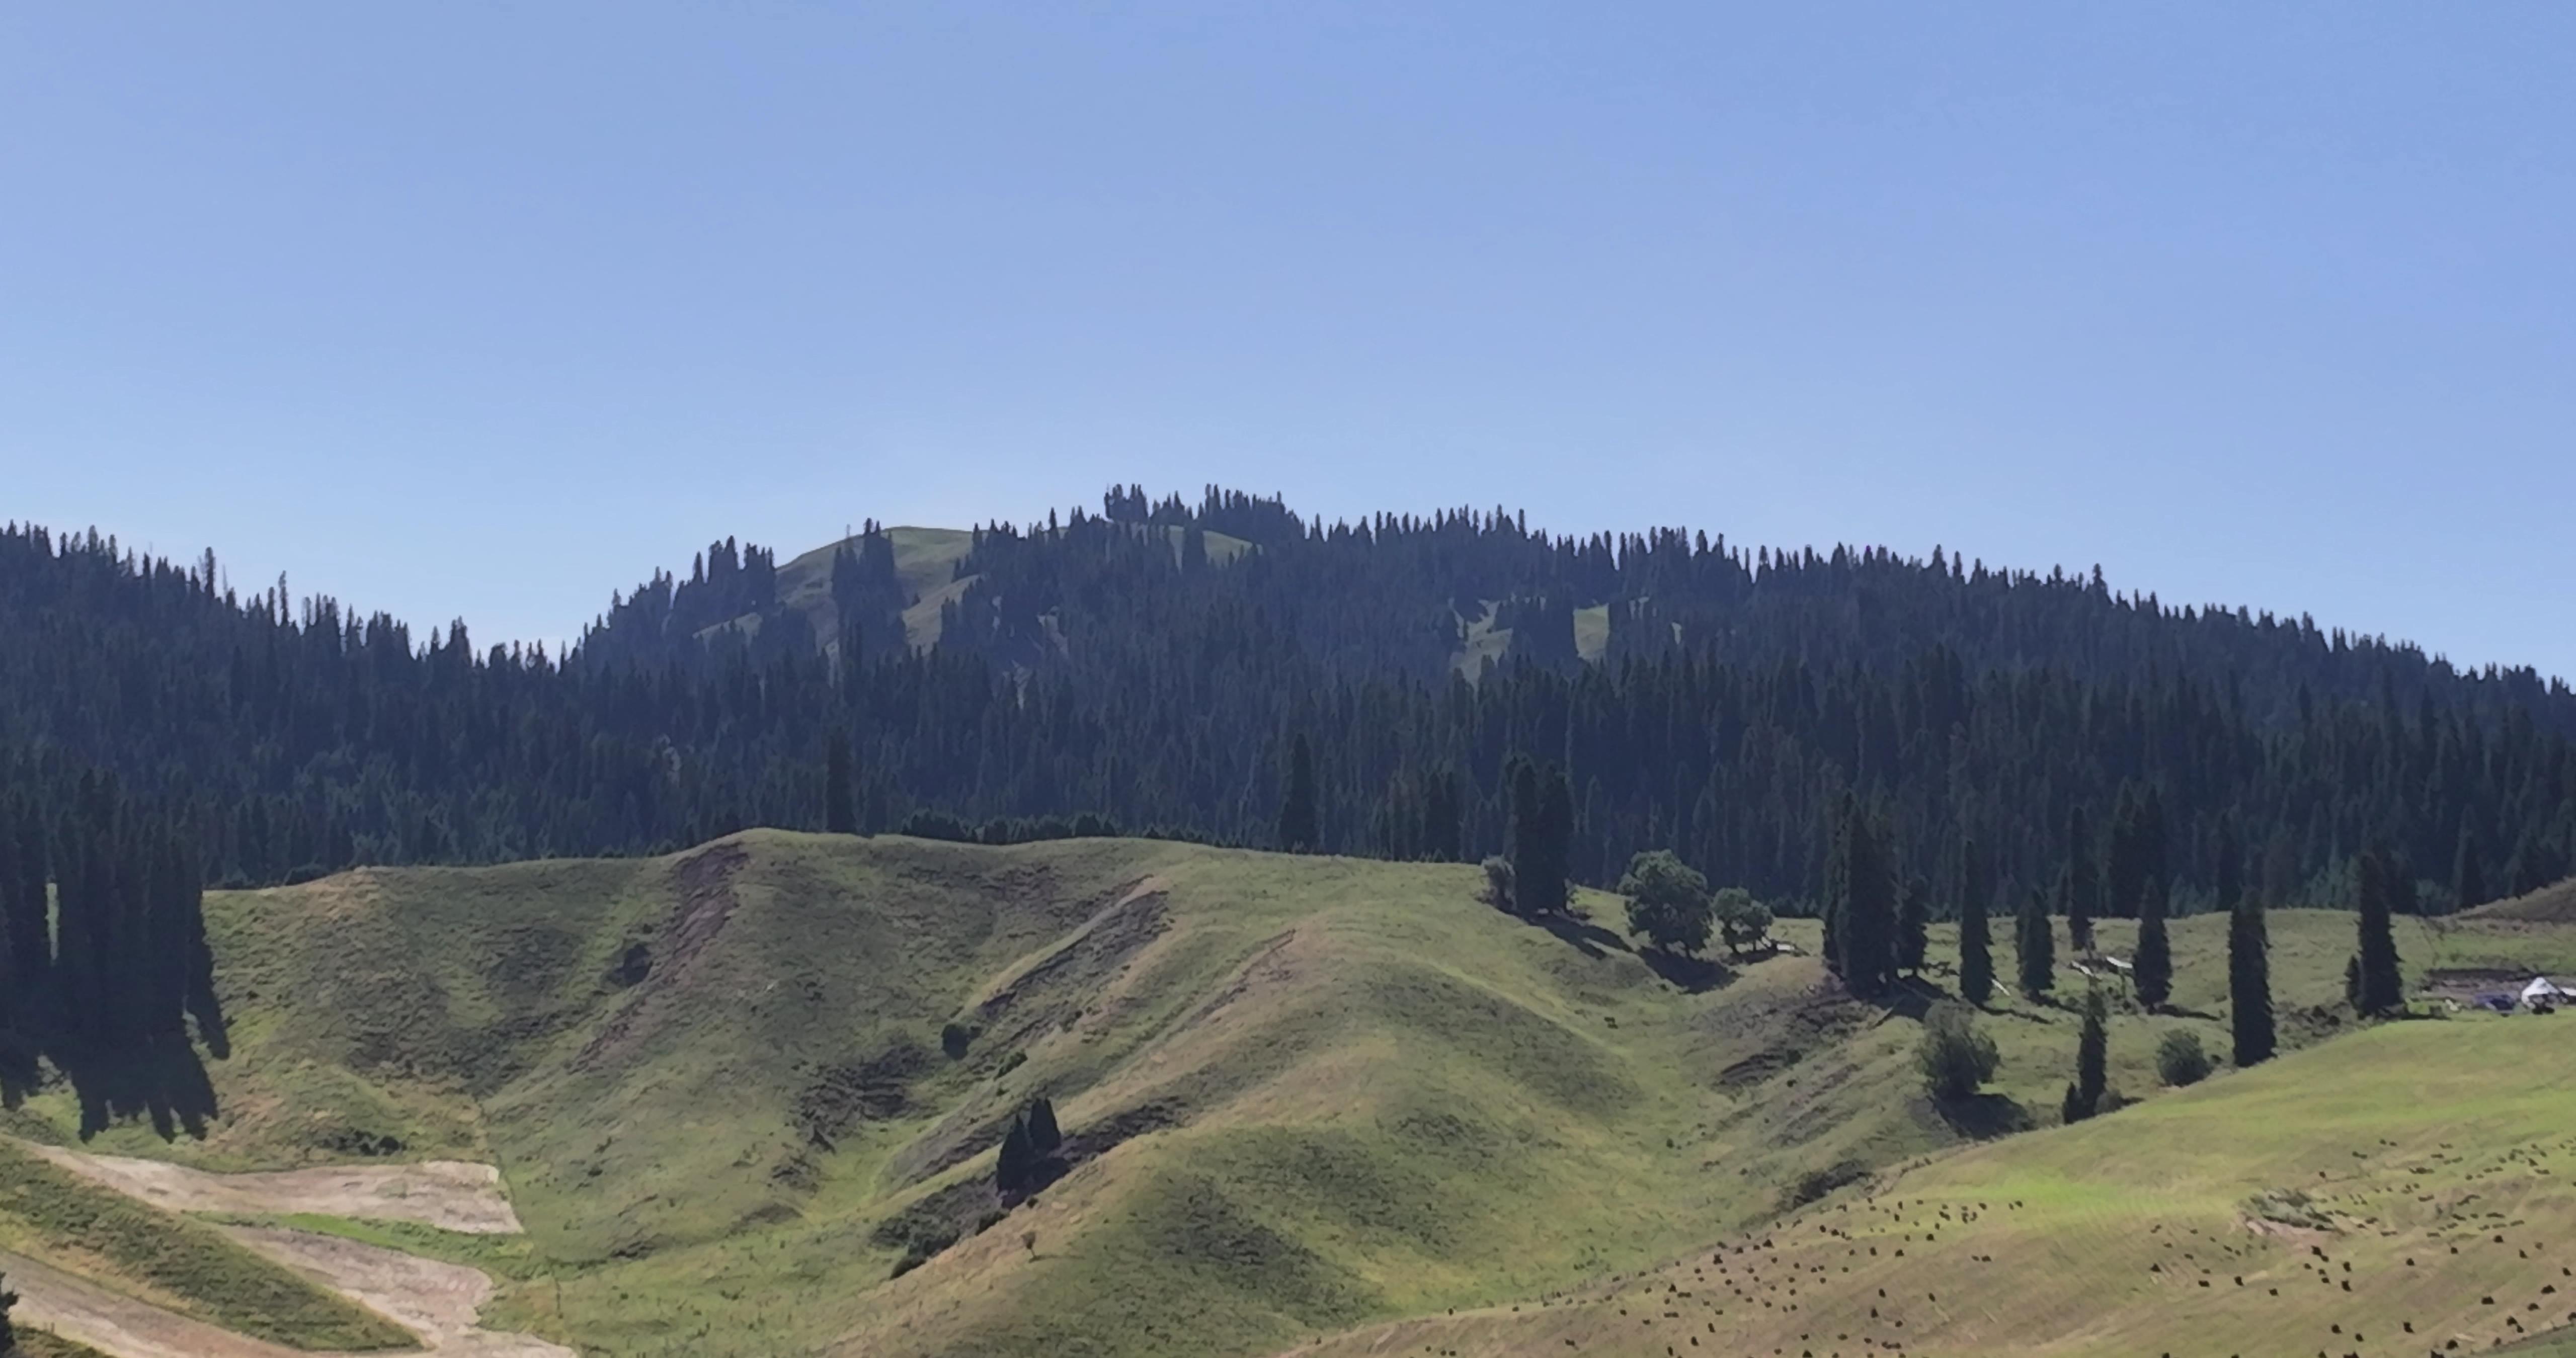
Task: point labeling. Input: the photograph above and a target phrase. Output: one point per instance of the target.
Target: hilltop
(735, 1091)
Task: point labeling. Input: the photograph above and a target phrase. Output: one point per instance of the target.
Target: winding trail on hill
(439, 1302)
(452, 1195)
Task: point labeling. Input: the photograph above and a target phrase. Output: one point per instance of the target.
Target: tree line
(1776, 710)
(103, 953)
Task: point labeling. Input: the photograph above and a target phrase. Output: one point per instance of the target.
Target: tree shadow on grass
(1696, 975)
(164, 1081)
(1582, 935)
(1984, 1117)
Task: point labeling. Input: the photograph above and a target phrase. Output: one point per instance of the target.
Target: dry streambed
(437, 1301)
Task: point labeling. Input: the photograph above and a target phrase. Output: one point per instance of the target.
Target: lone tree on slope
(2378, 987)
(2249, 960)
(1974, 947)
(2154, 963)
(2035, 940)
(1914, 926)
(1668, 902)
(1865, 927)
(8, 1299)
(2092, 1061)
(1298, 832)
(1954, 1056)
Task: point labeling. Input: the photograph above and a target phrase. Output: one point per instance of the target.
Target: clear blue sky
(486, 309)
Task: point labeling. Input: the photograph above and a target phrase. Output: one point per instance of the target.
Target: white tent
(2542, 990)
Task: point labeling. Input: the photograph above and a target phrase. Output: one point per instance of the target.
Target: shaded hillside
(733, 1090)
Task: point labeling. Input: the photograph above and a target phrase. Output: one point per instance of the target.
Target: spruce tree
(1976, 949)
(1913, 926)
(1044, 1137)
(1528, 834)
(2036, 943)
(1866, 933)
(8, 1303)
(840, 810)
(2378, 987)
(2092, 1060)
(1011, 1168)
(1298, 832)
(1556, 811)
(2082, 883)
(2153, 966)
(2249, 983)
(2468, 873)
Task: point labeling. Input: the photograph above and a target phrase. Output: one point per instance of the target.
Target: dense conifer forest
(1751, 709)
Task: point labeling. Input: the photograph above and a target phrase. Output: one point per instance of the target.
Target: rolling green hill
(2398, 1192)
(734, 1090)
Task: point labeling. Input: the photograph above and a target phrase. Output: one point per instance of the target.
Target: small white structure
(2543, 991)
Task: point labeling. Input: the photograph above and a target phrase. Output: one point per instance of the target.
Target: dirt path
(445, 1193)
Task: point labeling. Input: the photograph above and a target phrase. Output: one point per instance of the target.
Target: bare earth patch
(449, 1194)
(437, 1301)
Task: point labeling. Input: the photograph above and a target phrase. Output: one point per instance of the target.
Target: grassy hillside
(2398, 1192)
(1300, 1093)
(56, 1218)
(925, 559)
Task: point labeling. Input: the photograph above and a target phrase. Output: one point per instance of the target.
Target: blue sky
(486, 309)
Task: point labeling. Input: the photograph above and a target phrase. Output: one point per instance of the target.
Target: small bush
(1956, 1059)
(2180, 1060)
(1498, 882)
(955, 1039)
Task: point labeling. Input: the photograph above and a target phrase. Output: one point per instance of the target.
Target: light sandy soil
(437, 1301)
(449, 1194)
(75, 1308)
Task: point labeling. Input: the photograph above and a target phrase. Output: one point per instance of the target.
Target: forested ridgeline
(1094, 667)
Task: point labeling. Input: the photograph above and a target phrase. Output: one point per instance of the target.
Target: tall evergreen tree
(2035, 941)
(2249, 983)
(8, 1331)
(2153, 966)
(1913, 925)
(2468, 872)
(1299, 822)
(1012, 1167)
(1866, 933)
(2092, 1060)
(840, 808)
(1556, 809)
(1045, 1138)
(2083, 883)
(1976, 949)
(1528, 836)
(2379, 988)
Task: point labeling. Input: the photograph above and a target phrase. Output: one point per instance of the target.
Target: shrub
(955, 1039)
(1956, 1058)
(1498, 882)
(2180, 1060)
